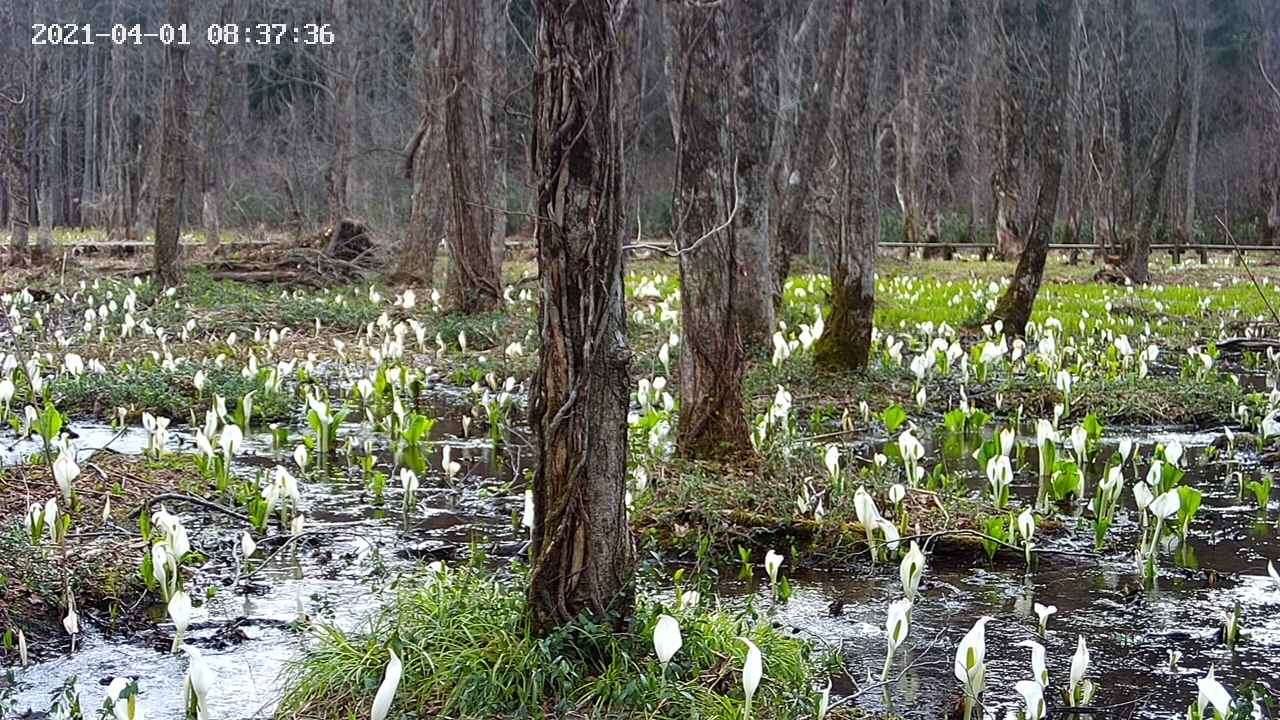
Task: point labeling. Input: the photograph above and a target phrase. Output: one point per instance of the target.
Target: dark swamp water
(342, 574)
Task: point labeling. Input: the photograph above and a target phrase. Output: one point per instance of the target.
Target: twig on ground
(192, 499)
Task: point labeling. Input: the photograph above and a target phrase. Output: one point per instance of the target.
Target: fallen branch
(193, 500)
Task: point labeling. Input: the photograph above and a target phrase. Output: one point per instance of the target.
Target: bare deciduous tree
(416, 254)
(173, 152)
(211, 217)
(705, 204)
(1138, 250)
(1014, 307)
(474, 282)
(804, 113)
(753, 87)
(342, 87)
(846, 338)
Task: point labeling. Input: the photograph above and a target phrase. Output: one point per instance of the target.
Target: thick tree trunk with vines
(172, 155)
(1014, 307)
(474, 282)
(712, 423)
(581, 553)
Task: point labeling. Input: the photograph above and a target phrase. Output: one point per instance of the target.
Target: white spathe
(1079, 666)
(1211, 692)
(970, 665)
(1033, 695)
(666, 639)
(911, 570)
(772, 563)
(752, 672)
(1043, 612)
(199, 682)
(1039, 669)
(387, 690)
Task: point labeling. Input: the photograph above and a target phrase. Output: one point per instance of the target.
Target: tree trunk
(44, 153)
(1193, 132)
(209, 216)
(790, 229)
(581, 552)
(19, 176)
(1014, 307)
(115, 188)
(753, 83)
(705, 202)
(474, 284)
(1006, 180)
(172, 154)
(975, 152)
(914, 31)
(495, 114)
(846, 337)
(337, 174)
(1138, 257)
(417, 252)
(89, 156)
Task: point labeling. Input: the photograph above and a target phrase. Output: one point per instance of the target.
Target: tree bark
(795, 183)
(1138, 255)
(753, 82)
(210, 218)
(581, 552)
(1007, 178)
(474, 281)
(705, 204)
(1193, 132)
(19, 176)
(337, 172)
(911, 183)
(416, 256)
(493, 107)
(1014, 307)
(44, 155)
(172, 154)
(846, 337)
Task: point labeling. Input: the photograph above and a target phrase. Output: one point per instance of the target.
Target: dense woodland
(1168, 120)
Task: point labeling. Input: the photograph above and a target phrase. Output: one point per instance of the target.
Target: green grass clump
(468, 654)
(149, 387)
(1127, 400)
(240, 306)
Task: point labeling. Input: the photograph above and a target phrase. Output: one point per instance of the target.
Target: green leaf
(1065, 479)
(1093, 426)
(893, 417)
(1190, 498)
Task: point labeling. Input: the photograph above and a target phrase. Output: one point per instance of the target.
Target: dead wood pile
(343, 253)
